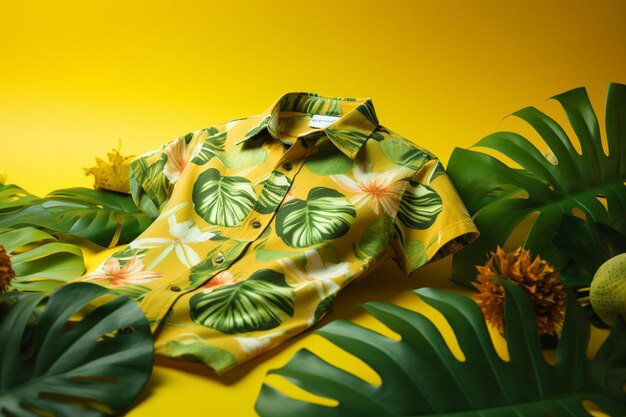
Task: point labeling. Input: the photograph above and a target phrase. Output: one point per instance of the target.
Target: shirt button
(256, 224)
(219, 258)
(175, 288)
(287, 166)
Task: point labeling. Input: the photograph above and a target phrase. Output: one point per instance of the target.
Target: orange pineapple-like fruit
(535, 276)
(6, 270)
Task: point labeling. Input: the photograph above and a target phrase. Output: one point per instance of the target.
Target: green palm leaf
(421, 376)
(495, 194)
(40, 262)
(103, 217)
(261, 302)
(86, 353)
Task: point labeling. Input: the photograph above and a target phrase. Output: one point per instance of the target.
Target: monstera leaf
(104, 217)
(13, 198)
(40, 262)
(421, 376)
(587, 246)
(88, 352)
(500, 197)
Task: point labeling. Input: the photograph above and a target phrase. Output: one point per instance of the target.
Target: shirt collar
(356, 123)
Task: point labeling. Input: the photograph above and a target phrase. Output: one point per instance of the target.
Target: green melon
(608, 289)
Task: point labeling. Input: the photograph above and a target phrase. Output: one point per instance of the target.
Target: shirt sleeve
(154, 173)
(432, 221)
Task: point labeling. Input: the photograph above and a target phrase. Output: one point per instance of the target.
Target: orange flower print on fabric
(179, 153)
(220, 280)
(133, 272)
(382, 191)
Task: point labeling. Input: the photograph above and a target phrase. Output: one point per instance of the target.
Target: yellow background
(77, 76)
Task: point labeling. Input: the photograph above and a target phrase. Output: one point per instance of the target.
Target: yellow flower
(112, 175)
(536, 277)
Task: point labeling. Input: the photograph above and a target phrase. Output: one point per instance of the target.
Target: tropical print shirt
(260, 221)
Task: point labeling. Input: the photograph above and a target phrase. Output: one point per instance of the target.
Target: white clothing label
(322, 121)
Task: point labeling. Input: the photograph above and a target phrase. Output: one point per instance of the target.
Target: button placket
(255, 223)
(167, 295)
(218, 258)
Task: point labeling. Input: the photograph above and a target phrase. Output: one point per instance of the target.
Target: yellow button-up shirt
(260, 221)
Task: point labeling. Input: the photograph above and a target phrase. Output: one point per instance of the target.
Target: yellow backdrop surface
(77, 76)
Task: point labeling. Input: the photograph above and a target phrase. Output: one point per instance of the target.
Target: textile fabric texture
(260, 221)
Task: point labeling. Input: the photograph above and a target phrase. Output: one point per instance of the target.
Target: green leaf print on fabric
(257, 129)
(196, 350)
(375, 241)
(128, 253)
(244, 157)
(367, 110)
(150, 188)
(311, 104)
(326, 214)
(261, 253)
(415, 247)
(207, 268)
(349, 139)
(212, 146)
(323, 307)
(420, 206)
(403, 153)
(274, 190)
(222, 200)
(261, 302)
(327, 161)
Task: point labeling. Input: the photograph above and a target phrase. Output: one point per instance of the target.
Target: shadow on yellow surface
(75, 76)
